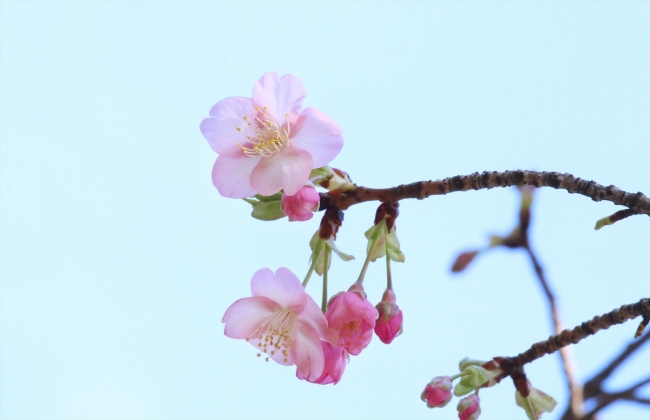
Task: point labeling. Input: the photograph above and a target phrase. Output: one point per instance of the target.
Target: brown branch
(607, 398)
(638, 203)
(582, 331)
(594, 386)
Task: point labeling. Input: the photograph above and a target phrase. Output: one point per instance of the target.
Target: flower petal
(280, 96)
(318, 134)
(313, 316)
(226, 125)
(289, 170)
(232, 176)
(307, 352)
(282, 287)
(244, 316)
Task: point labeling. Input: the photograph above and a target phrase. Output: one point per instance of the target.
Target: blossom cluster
(273, 154)
(477, 374)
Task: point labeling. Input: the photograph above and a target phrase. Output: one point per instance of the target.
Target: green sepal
(319, 247)
(274, 197)
(381, 241)
(268, 210)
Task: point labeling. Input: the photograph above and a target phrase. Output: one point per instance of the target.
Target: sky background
(119, 258)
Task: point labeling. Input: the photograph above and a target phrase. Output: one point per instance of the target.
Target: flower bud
(299, 207)
(536, 403)
(353, 317)
(463, 260)
(437, 393)
(469, 407)
(389, 323)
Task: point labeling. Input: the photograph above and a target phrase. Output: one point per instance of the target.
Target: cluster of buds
(477, 374)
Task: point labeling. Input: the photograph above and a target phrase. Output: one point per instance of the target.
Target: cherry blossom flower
(283, 321)
(437, 393)
(336, 358)
(299, 207)
(389, 323)
(266, 143)
(469, 407)
(353, 317)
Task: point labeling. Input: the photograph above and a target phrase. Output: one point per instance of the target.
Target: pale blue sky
(119, 258)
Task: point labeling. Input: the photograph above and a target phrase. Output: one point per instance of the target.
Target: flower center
(276, 334)
(269, 137)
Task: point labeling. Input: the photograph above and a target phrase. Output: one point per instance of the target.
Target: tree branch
(582, 331)
(637, 203)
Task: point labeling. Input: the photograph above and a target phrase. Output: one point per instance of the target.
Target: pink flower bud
(336, 358)
(437, 393)
(299, 207)
(389, 323)
(353, 317)
(468, 408)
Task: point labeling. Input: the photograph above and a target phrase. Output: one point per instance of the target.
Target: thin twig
(593, 386)
(607, 398)
(576, 400)
(638, 203)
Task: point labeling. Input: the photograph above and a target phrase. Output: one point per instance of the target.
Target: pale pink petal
(244, 316)
(232, 176)
(288, 169)
(280, 95)
(282, 287)
(307, 352)
(316, 133)
(226, 125)
(313, 316)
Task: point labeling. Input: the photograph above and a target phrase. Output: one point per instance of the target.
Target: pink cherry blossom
(353, 317)
(389, 323)
(299, 207)
(335, 361)
(266, 143)
(283, 321)
(469, 407)
(437, 393)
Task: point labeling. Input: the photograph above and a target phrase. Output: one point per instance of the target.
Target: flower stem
(326, 258)
(311, 270)
(363, 270)
(389, 277)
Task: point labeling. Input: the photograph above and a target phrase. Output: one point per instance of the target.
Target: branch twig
(638, 203)
(576, 399)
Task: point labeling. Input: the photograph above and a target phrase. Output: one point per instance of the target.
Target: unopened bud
(469, 407)
(463, 260)
(389, 323)
(437, 393)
